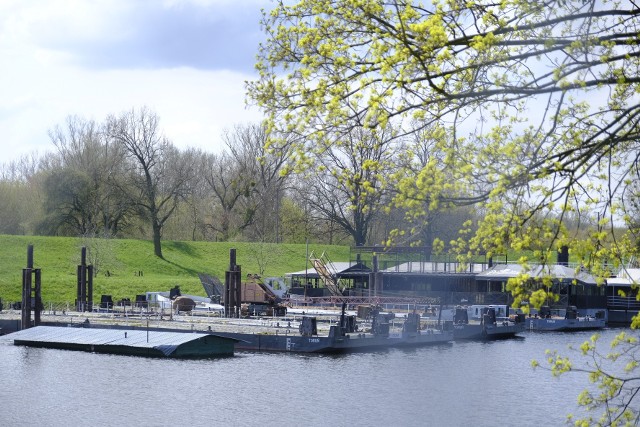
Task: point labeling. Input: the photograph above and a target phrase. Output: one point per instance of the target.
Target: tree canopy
(529, 111)
(533, 107)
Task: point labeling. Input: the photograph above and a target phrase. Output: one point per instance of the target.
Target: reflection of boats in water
(483, 323)
(343, 337)
(547, 319)
(335, 342)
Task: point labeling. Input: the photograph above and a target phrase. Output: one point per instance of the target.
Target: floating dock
(127, 342)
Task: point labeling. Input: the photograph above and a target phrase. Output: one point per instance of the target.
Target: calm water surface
(461, 384)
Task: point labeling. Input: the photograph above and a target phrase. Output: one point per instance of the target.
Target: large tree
(189, 221)
(228, 185)
(68, 204)
(534, 106)
(439, 219)
(263, 168)
(14, 209)
(22, 184)
(246, 183)
(158, 172)
(347, 184)
(95, 170)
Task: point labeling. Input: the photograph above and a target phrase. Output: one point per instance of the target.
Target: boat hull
(334, 344)
(564, 325)
(486, 332)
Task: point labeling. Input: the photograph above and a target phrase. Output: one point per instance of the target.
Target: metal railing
(623, 303)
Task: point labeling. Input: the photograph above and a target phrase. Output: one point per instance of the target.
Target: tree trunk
(157, 234)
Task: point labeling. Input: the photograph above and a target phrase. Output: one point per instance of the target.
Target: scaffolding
(327, 272)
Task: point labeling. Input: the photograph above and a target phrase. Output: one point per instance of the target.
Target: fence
(623, 303)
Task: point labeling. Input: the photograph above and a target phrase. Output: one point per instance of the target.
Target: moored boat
(550, 320)
(343, 337)
(488, 327)
(334, 342)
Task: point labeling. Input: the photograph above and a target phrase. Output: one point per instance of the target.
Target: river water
(459, 384)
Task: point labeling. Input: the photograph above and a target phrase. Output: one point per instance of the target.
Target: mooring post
(227, 293)
(238, 287)
(232, 259)
(38, 298)
(233, 287)
(84, 294)
(30, 301)
(229, 286)
(90, 287)
(26, 289)
(82, 301)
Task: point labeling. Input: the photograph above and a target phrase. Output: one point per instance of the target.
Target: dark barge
(488, 327)
(335, 342)
(344, 336)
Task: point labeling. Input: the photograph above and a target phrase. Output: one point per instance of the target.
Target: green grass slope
(133, 269)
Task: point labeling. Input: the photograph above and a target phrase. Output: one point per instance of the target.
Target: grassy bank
(128, 267)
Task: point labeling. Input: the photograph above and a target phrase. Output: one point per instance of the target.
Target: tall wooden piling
(84, 291)
(31, 292)
(232, 287)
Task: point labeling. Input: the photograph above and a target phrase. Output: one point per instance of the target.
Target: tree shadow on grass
(185, 269)
(183, 248)
(190, 271)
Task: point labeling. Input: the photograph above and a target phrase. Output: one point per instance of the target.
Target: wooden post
(232, 287)
(26, 298)
(84, 294)
(227, 294)
(30, 299)
(90, 287)
(38, 297)
(238, 288)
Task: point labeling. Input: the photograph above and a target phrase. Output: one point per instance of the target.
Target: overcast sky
(187, 60)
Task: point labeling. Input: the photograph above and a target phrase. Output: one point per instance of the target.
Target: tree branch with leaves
(533, 105)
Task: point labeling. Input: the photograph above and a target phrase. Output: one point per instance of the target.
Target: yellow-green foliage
(58, 257)
(613, 374)
(473, 80)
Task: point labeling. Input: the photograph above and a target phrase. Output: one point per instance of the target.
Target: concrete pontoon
(135, 342)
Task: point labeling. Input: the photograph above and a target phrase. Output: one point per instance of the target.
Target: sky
(186, 60)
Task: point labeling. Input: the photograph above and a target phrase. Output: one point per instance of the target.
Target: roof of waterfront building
(626, 276)
(556, 271)
(334, 267)
(422, 267)
(138, 342)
